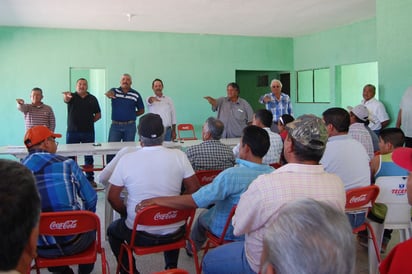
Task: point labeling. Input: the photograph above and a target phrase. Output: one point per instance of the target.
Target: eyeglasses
(53, 140)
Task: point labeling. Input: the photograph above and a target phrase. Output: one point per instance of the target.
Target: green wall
(191, 67)
(394, 46)
(351, 44)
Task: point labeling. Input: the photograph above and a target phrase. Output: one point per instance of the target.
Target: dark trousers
(73, 137)
(80, 244)
(119, 233)
(408, 141)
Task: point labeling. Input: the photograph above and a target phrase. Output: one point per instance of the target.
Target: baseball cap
(150, 126)
(360, 111)
(402, 156)
(309, 131)
(38, 134)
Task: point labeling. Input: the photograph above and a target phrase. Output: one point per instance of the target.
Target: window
(313, 86)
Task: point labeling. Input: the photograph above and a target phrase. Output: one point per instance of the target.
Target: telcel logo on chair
(399, 191)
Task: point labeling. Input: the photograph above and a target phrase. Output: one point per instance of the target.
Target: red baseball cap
(38, 134)
(402, 156)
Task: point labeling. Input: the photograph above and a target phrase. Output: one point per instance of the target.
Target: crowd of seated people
(317, 158)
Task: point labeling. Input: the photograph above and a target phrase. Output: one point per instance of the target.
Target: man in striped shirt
(36, 113)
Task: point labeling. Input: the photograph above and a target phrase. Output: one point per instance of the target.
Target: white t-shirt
(406, 107)
(151, 172)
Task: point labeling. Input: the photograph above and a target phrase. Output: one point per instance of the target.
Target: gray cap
(308, 130)
(360, 111)
(150, 126)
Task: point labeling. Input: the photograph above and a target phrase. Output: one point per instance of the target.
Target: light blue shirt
(225, 191)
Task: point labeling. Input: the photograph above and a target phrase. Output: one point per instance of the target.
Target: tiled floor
(152, 263)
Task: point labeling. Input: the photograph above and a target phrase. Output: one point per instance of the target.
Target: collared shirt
(210, 155)
(278, 107)
(59, 181)
(81, 112)
(41, 115)
(165, 108)
(275, 149)
(377, 112)
(225, 191)
(234, 115)
(258, 205)
(359, 132)
(125, 105)
(347, 158)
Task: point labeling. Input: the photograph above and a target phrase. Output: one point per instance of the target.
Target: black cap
(150, 126)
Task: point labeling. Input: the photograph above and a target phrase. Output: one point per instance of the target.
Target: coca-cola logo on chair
(165, 216)
(69, 224)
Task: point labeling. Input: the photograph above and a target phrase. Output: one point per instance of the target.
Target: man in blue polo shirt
(127, 104)
(225, 190)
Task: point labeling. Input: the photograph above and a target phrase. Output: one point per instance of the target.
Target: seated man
(151, 171)
(263, 119)
(319, 233)
(357, 129)
(302, 177)
(225, 190)
(58, 179)
(19, 221)
(211, 154)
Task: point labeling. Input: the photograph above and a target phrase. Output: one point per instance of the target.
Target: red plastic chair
(186, 128)
(207, 176)
(158, 216)
(361, 199)
(70, 223)
(275, 165)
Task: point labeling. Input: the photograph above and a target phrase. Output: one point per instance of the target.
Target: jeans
(228, 258)
(408, 141)
(119, 233)
(356, 219)
(118, 133)
(77, 246)
(198, 234)
(74, 137)
(168, 134)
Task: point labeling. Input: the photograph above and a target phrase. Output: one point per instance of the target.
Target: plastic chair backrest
(361, 198)
(393, 195)
(186, 128)
(172, 271)
(206, 176)
(159, 216)
(70, 223)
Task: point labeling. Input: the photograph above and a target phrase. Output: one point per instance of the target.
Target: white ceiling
(273, 18)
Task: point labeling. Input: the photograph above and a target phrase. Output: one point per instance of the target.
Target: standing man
(276, 102)
(303, 177)
(163, 105)
(233, 111)
(37, 113)
(379, 117)
(127, 104)
(211, 154)
(20, 214)
(142, 182)
(62, 187)
(404, 120)
(83, 111)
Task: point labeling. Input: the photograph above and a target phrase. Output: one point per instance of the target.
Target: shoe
(67, 270)
(189, 252)
(363, 240)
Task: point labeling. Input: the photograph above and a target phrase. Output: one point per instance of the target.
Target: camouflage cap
(308, 130)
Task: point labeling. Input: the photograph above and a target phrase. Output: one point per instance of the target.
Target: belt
(123, 122)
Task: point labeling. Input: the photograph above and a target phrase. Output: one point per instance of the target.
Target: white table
(103, 148)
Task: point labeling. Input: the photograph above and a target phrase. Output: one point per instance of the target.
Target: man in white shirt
(379, 116)
(151, 171)
(163, 105)
(404, 120)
